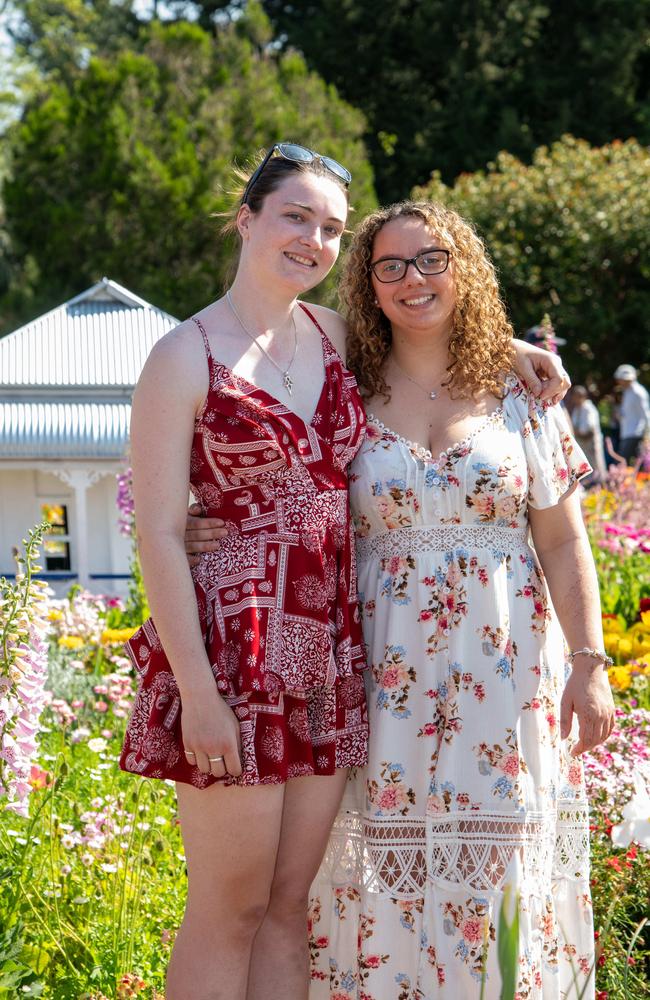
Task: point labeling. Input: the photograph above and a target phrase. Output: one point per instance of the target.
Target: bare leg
(280, 960)
(231, 838)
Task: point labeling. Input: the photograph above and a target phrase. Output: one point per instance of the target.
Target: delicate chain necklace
(431, 393)
(287, 381)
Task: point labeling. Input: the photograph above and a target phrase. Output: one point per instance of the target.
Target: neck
(425, 359)
(261, 310)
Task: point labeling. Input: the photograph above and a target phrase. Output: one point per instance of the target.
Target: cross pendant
(287, 382)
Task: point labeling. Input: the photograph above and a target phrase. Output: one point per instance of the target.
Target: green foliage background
(127, 120)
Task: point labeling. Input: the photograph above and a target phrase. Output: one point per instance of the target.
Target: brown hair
(275, 172)
(480, 346)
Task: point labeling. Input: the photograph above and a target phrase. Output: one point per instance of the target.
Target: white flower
(636, 818)
(97, 745)
(108, 868)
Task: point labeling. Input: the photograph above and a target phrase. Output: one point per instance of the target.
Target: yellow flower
(117, 635)
(611, 641)
(624, 647)
(619, 678)
(645, 618)
(54, 615)
(71, 641)
(613, 625)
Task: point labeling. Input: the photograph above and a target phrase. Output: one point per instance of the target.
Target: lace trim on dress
(395, 856)
(414, 540)
(424, 453)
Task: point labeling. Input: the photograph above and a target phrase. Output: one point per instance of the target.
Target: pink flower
(575, 774)
(391, 676)
(425, 615)
(101, 706)
(472, 930)
(372, 961)
(388, 798)
(510, 765)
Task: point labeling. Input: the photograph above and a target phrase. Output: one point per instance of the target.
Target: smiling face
(294, 240)
(417, 303)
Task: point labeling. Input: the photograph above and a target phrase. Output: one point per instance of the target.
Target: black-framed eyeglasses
(433, 261)
(298, 154)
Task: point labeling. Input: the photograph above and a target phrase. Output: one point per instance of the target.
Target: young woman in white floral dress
(472, 779)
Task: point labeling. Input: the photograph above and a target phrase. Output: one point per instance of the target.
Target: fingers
(233, 763)
(195, 509)
(586, 741)
(194, 547)
(218, 766)
(566, 717)
(593, 731)
(204, 527)
(530, 377)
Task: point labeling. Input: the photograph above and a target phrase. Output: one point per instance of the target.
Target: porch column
(80, 480)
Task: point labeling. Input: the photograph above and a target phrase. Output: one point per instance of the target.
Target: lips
(299, 259)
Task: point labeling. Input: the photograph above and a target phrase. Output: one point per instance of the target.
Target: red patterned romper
(277, 601)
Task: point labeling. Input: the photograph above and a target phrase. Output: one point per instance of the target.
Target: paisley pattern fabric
(468, 785)
(277, 601)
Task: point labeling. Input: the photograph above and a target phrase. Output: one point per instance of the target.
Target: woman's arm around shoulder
(334, 326)
(542, 371)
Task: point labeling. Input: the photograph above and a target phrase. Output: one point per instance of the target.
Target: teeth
(418, 301)
(301, 260)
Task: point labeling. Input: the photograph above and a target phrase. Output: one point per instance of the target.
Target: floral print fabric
(468, 784)
(277, 601)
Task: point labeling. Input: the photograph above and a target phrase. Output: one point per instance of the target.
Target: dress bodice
(487, 479)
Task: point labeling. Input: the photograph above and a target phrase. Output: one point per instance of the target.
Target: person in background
(586, 427)
(634, 412)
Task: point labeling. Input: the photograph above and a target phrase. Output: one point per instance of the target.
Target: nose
(412, 276)
(312, 238)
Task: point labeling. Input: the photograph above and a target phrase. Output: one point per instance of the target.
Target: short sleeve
(555, 460)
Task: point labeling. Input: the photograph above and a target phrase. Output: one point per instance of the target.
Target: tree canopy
(447, 86)
(120, 169)
(569, 236)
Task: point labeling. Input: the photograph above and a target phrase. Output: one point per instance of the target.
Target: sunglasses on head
(297, 154)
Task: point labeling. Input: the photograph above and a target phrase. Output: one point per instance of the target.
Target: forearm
(573, 585)
(172, 599)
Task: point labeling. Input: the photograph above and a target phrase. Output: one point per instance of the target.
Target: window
(56, 544)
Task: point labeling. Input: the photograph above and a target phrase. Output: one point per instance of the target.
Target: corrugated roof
(100, 338)
(71, 429)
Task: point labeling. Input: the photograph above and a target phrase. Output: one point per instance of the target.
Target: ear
(244, 217)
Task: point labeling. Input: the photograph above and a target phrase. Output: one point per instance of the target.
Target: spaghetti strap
(206, 342)
(313, 319)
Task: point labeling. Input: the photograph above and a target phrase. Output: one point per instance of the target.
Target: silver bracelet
(595, 654)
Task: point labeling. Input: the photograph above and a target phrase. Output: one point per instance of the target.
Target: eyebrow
(306, 208)
(394, 256)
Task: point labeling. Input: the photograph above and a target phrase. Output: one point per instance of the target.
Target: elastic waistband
(411, 541)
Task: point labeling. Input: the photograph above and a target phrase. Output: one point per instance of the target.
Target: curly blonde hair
(480, 346)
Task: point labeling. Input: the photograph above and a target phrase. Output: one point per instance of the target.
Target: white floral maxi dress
(468, 781)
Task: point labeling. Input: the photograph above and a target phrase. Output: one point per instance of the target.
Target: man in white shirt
(634, 412)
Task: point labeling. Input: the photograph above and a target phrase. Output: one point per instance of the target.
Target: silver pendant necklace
(287, 381)
(431, 393)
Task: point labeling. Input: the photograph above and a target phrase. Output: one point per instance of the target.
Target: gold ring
(212, 759)
(190, 753)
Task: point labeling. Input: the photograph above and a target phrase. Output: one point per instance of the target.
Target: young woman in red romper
(251, 676)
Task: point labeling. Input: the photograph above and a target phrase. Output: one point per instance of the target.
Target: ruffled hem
(283, 735)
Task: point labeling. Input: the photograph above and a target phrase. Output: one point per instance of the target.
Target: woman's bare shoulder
(333, 324)
(179, 360)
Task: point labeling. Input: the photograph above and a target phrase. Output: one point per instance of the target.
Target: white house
(66, 381)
